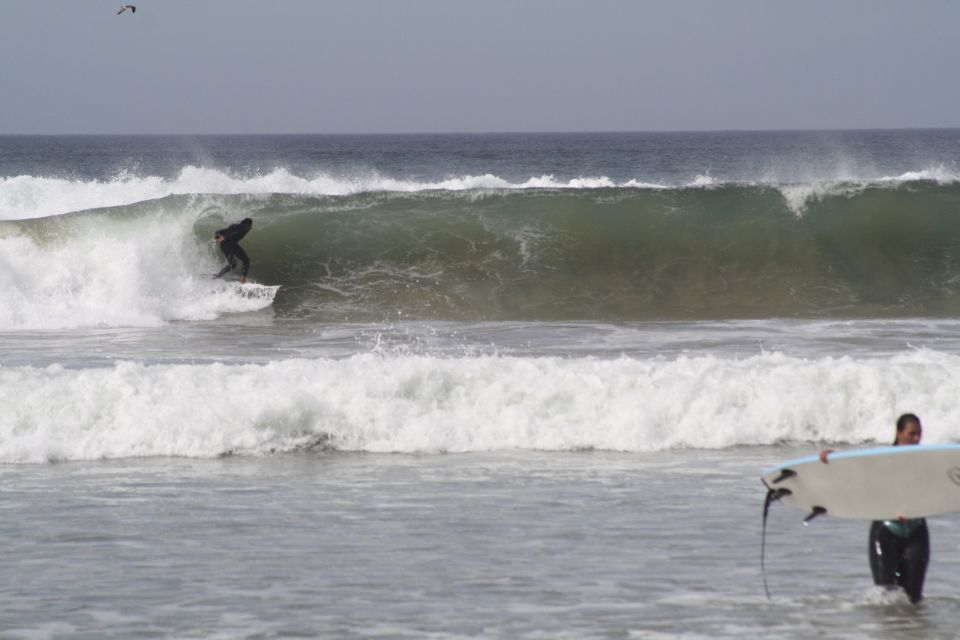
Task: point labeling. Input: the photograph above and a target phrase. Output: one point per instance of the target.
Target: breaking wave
(476, 250)
(425, 404)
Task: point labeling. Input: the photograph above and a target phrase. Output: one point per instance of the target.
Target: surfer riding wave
(229, 239)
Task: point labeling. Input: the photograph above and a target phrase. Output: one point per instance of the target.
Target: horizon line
(493, 132)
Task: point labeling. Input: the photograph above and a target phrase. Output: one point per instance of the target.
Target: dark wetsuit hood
(235, 232)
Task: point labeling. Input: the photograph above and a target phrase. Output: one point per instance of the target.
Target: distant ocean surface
(511, 385)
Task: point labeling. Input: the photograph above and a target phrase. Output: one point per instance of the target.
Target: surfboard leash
(772, 496)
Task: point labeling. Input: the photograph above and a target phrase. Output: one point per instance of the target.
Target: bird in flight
(124, 7)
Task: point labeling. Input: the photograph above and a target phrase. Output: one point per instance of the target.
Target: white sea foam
(428, 404)
(799, 195)
(24, 197)
(704, 181)
(938, 173)
(109, 278)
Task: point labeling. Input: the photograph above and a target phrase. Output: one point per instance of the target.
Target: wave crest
(26, 197)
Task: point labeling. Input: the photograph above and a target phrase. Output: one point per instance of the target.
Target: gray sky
(347, 66)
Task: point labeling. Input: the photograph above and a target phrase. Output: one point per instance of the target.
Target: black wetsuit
(231, 236)
(899, 553)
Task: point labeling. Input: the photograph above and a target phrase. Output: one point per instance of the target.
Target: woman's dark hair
(903, 421)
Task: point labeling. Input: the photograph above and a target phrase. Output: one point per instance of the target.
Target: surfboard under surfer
(228, 240)
(899, 550)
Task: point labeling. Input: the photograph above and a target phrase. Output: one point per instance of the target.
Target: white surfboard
(873, 484)
(255, 290)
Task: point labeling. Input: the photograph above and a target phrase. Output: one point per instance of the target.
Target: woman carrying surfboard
(899, 549)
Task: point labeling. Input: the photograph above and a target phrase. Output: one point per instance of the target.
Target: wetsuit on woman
(899, 552)
(231, 236)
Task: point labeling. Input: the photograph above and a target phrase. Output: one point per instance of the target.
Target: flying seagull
(124, 7)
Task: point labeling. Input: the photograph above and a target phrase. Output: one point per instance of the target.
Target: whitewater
(510, 386)
(423, 404)
(29, 196)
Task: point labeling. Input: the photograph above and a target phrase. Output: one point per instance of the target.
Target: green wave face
(599, 254)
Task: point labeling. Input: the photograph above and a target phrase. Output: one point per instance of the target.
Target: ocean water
(511, 385)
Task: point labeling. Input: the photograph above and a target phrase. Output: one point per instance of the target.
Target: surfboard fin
(817, 511)
(784, 474)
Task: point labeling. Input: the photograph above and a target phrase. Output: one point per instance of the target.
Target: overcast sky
(354, 66)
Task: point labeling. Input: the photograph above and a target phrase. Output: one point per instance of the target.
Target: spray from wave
(25, 196)
(137, 266)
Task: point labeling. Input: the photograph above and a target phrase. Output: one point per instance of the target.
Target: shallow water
(261, 338)
(500, 545)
